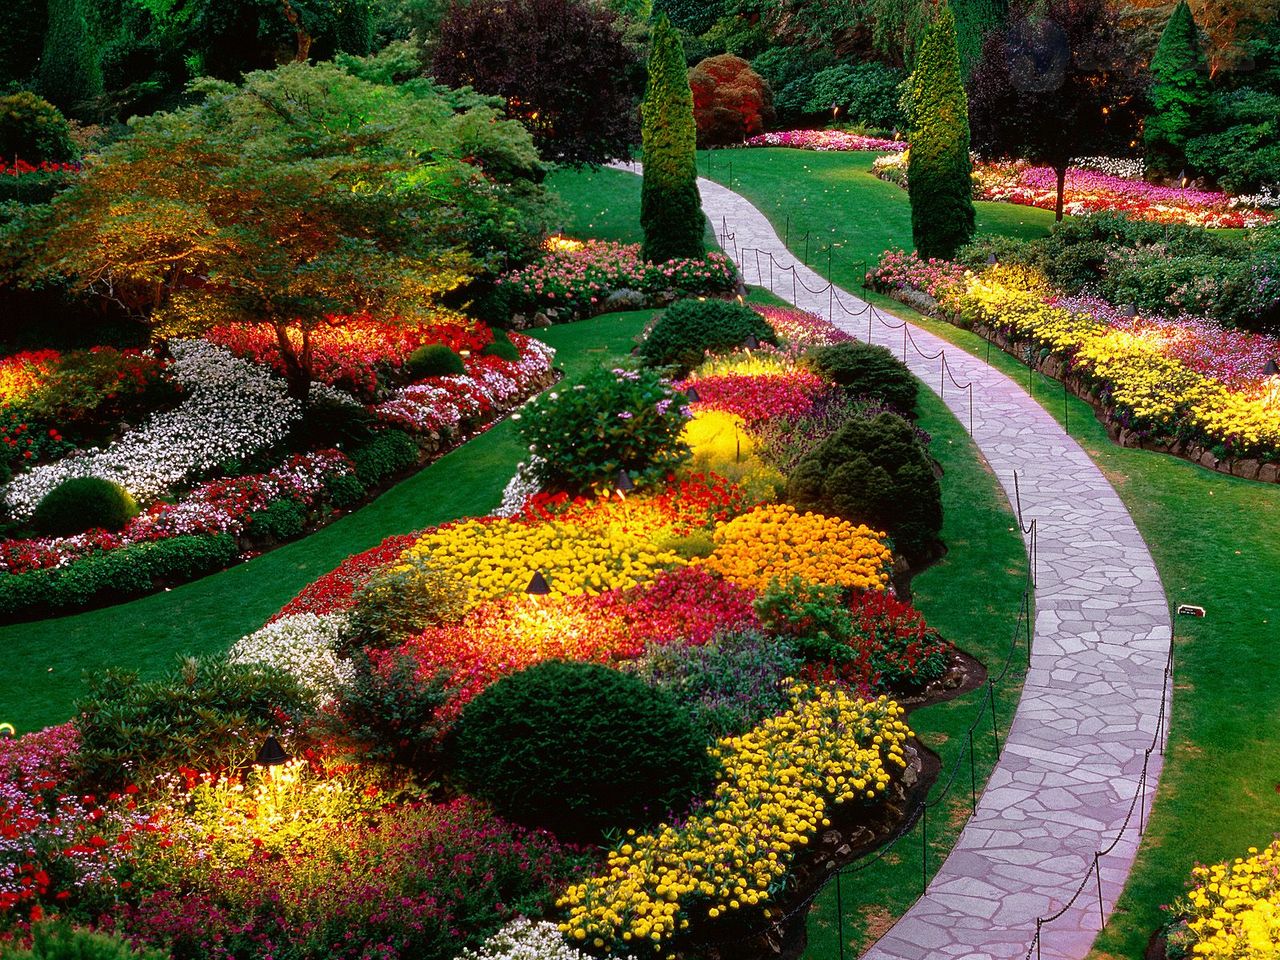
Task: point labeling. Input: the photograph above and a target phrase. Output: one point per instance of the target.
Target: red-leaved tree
(730, 100)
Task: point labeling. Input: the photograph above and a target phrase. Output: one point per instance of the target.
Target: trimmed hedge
(689, 328)
(384, 456)
(84, 503)
(866, 370)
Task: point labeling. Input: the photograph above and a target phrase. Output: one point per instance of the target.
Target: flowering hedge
(824, 140)
(1233, 909)
(776, 789)
(579, 276)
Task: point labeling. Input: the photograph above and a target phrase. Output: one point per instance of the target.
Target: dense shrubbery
(868, 372)
(33, 130)
(865, 93)
(580, 748)
(402, 600)
(790, 73)
(83, 503)
(434, 360)
(384, 456)
(874, 471)
(730, 101)
(687, 330)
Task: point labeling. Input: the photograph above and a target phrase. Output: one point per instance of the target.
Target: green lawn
(1216, 541)
(46, 661)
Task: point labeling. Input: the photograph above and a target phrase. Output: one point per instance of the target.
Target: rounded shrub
(34, 130)
(434, 360)
(280, 520)
(389, 452)
(83, 503)
(501, 347)
(865, 370)
(58, 940)
(401, 600)
(345, 490)
(874, 472)
(579, 748)
(688, 329)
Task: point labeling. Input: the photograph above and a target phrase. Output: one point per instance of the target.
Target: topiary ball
(865, 370)
(689, 328)
(434, 360)
(34, 130)
(501, 347)
(83, 503)
(579, 748)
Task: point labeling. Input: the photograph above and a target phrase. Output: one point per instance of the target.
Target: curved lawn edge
(1095, 694)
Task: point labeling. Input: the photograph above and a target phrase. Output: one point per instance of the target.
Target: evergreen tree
(670, 208)
(70, 74)
(942, 217)
(1180, 93)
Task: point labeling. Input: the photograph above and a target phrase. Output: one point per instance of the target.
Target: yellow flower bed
(1159, 391)
(1234, 911)
(777, 784)
(775, 542)
(591, 552)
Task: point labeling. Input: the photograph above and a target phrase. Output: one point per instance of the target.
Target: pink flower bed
(824, 140)
(801, 328)
(757, 397)
(220, 506)
(1090, 191)
(941, 279)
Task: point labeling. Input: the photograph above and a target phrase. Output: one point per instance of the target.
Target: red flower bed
(756, 397)
(332, 592)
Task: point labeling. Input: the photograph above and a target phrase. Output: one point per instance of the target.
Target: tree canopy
(299, 198)
(1180, 93)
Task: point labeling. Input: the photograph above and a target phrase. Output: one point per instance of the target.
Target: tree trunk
(303, 37)
(297, 369)
(1062, 188)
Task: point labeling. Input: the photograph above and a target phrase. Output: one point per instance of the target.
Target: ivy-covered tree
(296, 200)
(561, 66)
(70, 74)
(1180, 93)
(938, 168)
(1060, 81)
(670, 207)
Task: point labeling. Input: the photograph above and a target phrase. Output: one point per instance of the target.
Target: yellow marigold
(1233, 912)
(774, 794)
(775, 542)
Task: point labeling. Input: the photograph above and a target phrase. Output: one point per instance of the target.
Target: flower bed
(579, 277)
(1233, 909)
(823, 140)
(1091, 190)
(1196, 388)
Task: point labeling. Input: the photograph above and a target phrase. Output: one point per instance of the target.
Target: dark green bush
(502, 347)
(113, 575)
(58, 940)
(389, 452)
(580, 748)
(279, 520)
(345, 490)
(204, 713)
(399, 601)
(790, 73)
(83, 503)
(686, 330)
(434, 360)
(618, 420)
(874, 472)
(34, 130)
(866, 93)
(868, 371)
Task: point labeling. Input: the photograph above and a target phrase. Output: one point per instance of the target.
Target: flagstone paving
(1065, 784)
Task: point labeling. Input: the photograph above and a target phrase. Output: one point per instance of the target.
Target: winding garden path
(1091, 706)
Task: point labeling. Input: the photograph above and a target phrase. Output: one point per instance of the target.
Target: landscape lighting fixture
(1271, 369)
(538, 586)
(692, 395)
(991, 260)
(1184, 179)
(271, 754)
(751, 343)
(624, 483)
(1129, 310)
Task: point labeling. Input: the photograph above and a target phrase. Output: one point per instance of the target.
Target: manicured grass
(599, 204)
(1215, 539)
(46, 662)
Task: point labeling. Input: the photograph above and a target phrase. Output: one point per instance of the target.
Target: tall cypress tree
(1180, 93)
(70, 72)
(670, 208)
(938, 168)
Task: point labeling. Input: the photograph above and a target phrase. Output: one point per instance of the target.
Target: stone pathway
(1065, 783)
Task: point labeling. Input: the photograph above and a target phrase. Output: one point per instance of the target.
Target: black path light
(991, 260)
(1271, 369)
(623, 482)
(1129, 310)
(271, 754)
(691, 394)
(538, 586)
(751, 343)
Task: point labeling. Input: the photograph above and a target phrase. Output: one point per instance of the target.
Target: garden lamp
(7, 731)
(1271, 369)
(538, 586)
(1183, 178)
(624, 484)
(1129, 310)
(991, 260)
(271, 754)
(751, 343)
(691, 394)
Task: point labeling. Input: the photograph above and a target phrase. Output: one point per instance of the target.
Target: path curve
(1090, 707)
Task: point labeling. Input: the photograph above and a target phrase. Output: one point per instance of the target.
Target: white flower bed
(233, 409)
(1130, 169)
(523, 939)
(302, 645)
(519, 488)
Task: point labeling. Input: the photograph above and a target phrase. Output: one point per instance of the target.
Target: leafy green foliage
(874, 472)
(1243, 154)
(579, 748)
(790, 73)
(728, 684)
(670, 207)
(70, 76)
(58, 940)
(694, 16)
(204, 713)
(389, 452)
(730, 100)
(309, 193)
(867, 371)
(942, 214)
(618, 420)
(561, 66)
(401, 600)
(280, 520)
(344, 490)
(866, 94)
(434, 360)
(1179, 93)
(501, 347)
(33, 129)
(83, 503)
(688, 329)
